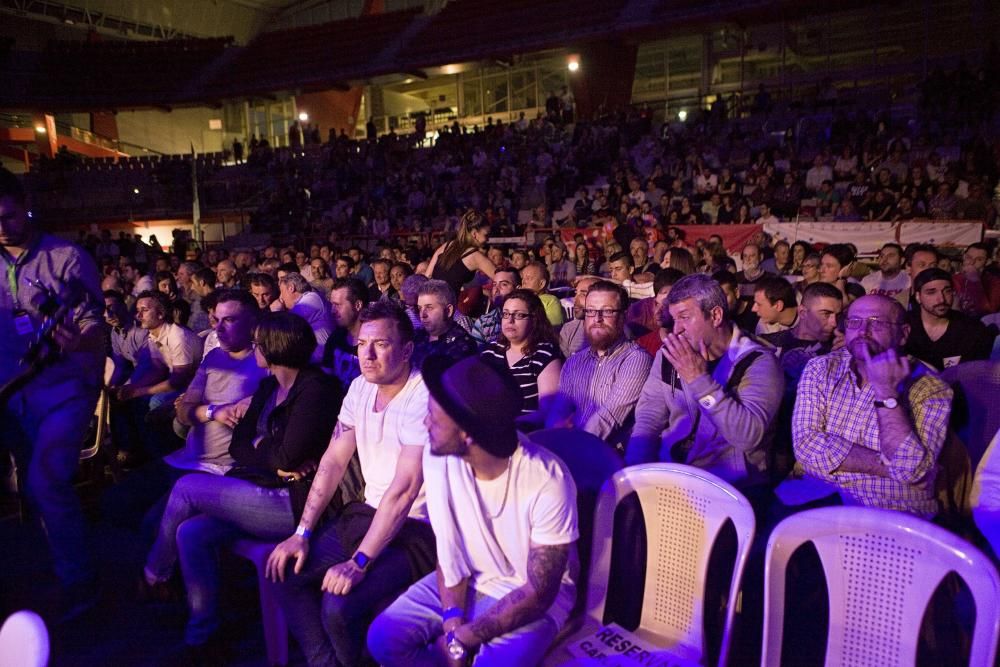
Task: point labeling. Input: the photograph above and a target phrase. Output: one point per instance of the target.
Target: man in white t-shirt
(890, 280)
(371, 550)
(505, 519)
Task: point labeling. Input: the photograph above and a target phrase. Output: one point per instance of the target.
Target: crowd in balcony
(368, 408)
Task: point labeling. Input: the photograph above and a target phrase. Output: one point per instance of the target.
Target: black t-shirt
(965, 339)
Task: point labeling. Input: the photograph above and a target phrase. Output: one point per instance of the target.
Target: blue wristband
(452, 612)
(302, 531)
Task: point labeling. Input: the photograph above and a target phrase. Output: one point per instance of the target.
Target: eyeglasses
(508, 315)
(877, 325)
(604, 313)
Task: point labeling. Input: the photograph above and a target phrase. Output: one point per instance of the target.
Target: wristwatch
(456, 649)
(890, 403)
(362, 560)
(210, 412)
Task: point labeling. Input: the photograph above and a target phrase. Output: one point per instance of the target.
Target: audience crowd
(370, 408)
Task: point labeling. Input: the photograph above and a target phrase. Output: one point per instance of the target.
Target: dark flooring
(119, 631)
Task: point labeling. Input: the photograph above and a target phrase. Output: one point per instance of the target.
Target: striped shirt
(833, 414)
(606, 388)
(525, 371)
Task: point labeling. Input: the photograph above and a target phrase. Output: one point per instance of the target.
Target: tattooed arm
(546, 565)
(331, 470)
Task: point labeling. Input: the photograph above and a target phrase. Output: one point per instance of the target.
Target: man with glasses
(868, 420)
(713, 392)
(605, 378)
(486, 328)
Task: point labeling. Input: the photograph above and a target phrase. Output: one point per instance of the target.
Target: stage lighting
(682, 115)
(573, 65)
(303, 116)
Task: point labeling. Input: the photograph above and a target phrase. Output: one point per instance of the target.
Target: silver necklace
(506, 490)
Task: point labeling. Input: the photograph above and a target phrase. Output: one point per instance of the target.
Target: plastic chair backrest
(881, 568)
(684, 509)
(985, 496)
(24, 641)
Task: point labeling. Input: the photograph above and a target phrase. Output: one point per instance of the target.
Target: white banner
(868, 237)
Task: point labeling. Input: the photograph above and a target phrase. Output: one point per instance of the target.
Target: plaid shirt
(486, 328)
(833, 414)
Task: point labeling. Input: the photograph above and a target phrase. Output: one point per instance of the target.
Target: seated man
(128, 341)
(813, 333)
(535, 276)
(890, 280)
(605, 378)
(504, 584)
(940, 336)
(572, 338)
(295, 295)
(440, 334)
(227, 375)
(348, 297)
(372, 550)
(174, 352)
(712, 395)
(868, 420)
(486, 328)
(775, 303)
(264, 289)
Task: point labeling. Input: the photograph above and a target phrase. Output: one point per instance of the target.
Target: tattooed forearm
(328, 475)
(546, 565)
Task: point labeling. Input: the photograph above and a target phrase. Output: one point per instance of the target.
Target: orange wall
(332, 108)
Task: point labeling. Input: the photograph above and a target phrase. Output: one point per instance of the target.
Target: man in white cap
(504, 583)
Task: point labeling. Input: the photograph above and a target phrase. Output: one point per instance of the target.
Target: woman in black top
(457, 261)
(278, 436)
(527, 348)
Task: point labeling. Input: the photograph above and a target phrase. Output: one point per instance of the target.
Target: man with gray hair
(440, 334)
(295, 295)
(408, 295)
(713, 393)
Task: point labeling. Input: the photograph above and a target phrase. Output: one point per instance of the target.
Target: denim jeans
(330, 629)
(44, 427)
(404, 634)
(138, 501)
(203, 513)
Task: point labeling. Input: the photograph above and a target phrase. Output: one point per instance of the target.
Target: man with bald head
(869, 420)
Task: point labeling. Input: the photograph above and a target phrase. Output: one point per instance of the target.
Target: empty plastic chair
(24, 641)
(685, 509)
(881, 569)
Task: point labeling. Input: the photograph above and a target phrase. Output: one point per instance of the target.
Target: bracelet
(302, 531)
(452, 612)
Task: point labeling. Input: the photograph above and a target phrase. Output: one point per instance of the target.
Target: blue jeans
(404, 634)
(138, 501)
(203, 513)
(44, 427)
(330, 629)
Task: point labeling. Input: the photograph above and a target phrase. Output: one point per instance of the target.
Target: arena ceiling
(160, 19)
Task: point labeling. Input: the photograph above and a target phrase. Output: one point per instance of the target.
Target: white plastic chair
(684, 509)
(985, 496)
(881, 569)
(24, 641)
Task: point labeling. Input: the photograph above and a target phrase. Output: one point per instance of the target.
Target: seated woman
(279, 435)
(527, 348)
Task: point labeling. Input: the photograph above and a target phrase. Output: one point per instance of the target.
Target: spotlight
(573, 65)
(303, 116)
(682, 115)
(40, 129)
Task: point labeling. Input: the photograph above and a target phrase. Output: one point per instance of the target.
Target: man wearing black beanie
(939, 335)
